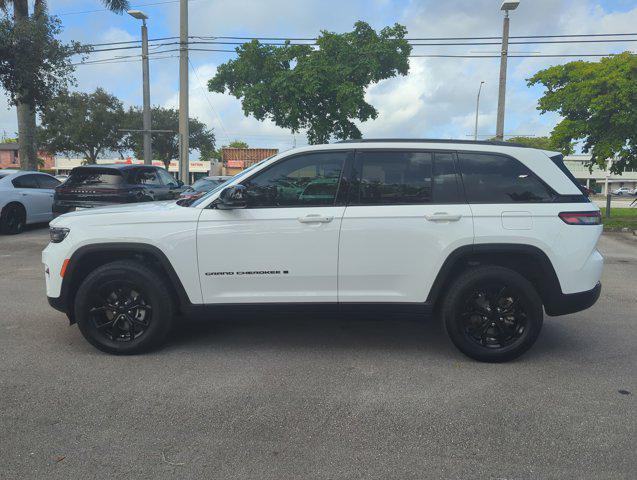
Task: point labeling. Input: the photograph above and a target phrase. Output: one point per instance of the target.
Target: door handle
(443, 217)
(315, 219)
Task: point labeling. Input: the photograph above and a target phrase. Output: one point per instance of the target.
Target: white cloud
(436, 99)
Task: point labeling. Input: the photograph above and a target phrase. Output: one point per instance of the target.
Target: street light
(506, 7)
(475, 131)
(148, 155)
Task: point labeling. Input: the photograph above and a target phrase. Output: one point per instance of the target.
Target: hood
(141, 209)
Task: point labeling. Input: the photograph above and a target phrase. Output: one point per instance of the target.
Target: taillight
(582, 218)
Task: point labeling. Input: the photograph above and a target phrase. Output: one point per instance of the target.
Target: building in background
(598, 179)
(235, 160)
(10, 157)
(198, 168)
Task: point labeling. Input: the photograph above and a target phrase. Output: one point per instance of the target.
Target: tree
(165, 146)
(543, 143)
(238, 144)
(34, 65)
(598, 103)
(87, 124)
(319, 89)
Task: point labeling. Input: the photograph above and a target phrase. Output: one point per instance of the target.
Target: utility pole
(184, 135)
(507, 6)
(148, 154)
(475, 130)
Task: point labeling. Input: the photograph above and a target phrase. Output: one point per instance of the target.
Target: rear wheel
(12, 219)
(492, 314)
(124, 308)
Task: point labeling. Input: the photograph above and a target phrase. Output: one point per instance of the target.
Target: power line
(205, 94)
(154, 4)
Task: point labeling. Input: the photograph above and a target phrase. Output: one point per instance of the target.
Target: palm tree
(25, 110)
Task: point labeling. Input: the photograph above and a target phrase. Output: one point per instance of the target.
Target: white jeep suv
(486, 235)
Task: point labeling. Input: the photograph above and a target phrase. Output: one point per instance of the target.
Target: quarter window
(47, 182)
(304, 180)
(492, 178)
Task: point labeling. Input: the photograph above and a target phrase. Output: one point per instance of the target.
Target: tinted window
(90, 177)
(204, 185)
(393, 177)
(446, 185)
(145, 176)
(25, 181)
(499, 179)
(304, 180)
(48, 182)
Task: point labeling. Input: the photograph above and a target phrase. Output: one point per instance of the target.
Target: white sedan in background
(25, 197)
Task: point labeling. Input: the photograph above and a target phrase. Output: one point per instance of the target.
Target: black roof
(434, 140)
(115, 166)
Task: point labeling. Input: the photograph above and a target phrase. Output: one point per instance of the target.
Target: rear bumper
(564, 304)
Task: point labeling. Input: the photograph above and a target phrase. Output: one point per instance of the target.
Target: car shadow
(348, 332)
(314, 330)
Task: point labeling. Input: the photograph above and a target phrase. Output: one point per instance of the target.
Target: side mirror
(232, 197)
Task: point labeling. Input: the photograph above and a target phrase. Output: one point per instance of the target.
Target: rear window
(94, 178)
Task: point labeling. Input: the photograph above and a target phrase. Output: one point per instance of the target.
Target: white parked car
(488, 235)
(25, 197)
(622, 191)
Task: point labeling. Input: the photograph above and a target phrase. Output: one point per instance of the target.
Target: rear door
(406, 213)
(36, 202)
(47, 184)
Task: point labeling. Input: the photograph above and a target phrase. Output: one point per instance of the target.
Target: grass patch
(620, 218)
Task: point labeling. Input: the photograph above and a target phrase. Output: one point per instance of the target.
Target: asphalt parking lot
(289, 397)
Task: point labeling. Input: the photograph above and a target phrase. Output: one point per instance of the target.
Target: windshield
(202, 185)
(224, 184)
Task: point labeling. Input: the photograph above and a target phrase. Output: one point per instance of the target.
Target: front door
(405, 215)
(284, 246)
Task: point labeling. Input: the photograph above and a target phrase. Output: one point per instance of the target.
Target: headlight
(58, 234)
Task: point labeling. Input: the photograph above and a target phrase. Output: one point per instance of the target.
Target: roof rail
(434, 140)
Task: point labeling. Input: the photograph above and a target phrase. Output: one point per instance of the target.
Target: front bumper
(563, 304)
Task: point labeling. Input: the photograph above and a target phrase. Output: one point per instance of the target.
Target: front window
(212, 192)
(303, 180)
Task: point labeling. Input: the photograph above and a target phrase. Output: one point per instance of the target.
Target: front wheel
(492, 314)
(124, 308)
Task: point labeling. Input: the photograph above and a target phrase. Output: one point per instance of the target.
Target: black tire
(12, 219)
(492, 314)
(124, 308)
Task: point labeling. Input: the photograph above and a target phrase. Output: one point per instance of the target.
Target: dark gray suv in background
(100, 185)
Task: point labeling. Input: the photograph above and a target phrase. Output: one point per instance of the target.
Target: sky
(436, 99)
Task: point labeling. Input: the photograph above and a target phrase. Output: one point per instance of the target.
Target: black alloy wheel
(492, 313)
(120, 312)
(493, 316)
(125, 307)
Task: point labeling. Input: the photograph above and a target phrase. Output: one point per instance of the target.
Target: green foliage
(238, 144)
(543, 143)
(82, 123)
(319, 89)
(34, 65)
(165, 146)
(598, 103)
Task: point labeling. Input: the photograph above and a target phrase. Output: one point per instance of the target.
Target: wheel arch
(527, 260)
(85, 259)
